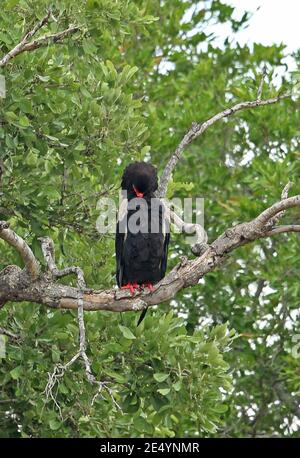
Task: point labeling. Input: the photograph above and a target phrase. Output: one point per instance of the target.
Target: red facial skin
(137, 192)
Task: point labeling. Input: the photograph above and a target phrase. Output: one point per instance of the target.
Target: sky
(274, 22)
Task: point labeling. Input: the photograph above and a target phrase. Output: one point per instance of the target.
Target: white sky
(276, 21)
(271, 22)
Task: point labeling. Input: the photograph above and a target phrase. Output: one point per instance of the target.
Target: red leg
(131, 286)
(148, 285)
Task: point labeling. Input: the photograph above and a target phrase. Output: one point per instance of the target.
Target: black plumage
(142, 233)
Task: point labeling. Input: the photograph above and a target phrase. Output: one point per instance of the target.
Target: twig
(282, 229)
(200, 244)
(59, 369)
(10, 334)
(261, 85)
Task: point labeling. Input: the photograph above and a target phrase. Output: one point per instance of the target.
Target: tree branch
(8, 333)
(49, 255)
(187, 273)
(198, 129)
(27, 45)
(282, 229)
(284, 195)
(200, 244)
(60, 369)
(287, 398)
(267, 215)
(31, 264)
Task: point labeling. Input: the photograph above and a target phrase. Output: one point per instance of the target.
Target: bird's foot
(131, 286)
(148, 285)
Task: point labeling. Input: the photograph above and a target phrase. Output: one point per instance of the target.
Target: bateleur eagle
(142, 233)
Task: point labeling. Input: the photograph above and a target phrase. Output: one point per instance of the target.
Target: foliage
(127, 87)
(153, 377)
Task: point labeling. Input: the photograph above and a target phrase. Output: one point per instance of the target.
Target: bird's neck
(132, 195)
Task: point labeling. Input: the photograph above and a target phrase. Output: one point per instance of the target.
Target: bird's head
(139, 179)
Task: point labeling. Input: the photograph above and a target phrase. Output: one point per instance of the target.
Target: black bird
(142, 233)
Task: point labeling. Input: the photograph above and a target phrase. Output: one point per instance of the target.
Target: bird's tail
(142, 316)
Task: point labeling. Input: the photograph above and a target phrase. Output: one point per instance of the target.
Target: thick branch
(187, 273)
(31, 264)
(197, 129)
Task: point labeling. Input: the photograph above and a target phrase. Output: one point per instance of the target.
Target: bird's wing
(164, 260)
(166, 232)
(119, 243)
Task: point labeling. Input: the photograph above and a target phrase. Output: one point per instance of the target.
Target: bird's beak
(137, 192)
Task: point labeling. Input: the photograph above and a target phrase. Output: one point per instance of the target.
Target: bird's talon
(131, 286)
(148, 285)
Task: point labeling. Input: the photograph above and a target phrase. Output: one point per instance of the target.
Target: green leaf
(164, 391)
(177, 386)
(160, 376)
(54, 424)
(126, 332)
(16, 372)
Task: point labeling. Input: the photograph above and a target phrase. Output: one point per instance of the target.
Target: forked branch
(26, 44)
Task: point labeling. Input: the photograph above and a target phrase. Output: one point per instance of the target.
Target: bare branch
(49, 39)
(60, 369)
(261, 85)
(37, 27)
(198, 129)
(27, 45)
(284, 195)
(8, 333)
(185, 274)
(200, 244)
(276, 209)
(31, 264)
(282, 229)
(49, 255)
